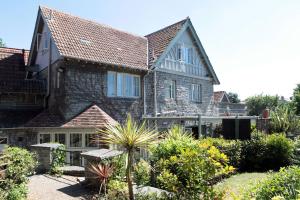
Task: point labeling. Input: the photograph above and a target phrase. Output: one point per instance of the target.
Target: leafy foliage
(233, 97)
(142, 172)
(22, 163)
(129, 136)
(269, 152)
(2, 44)
(101, 172)
(296, 99)
(186, 167)
(231, 148)
(18, 192)
(58, 160)
(284, 119)
(256, 104)
(284, 184)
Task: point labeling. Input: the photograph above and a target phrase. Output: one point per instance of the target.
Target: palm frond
(130, 135)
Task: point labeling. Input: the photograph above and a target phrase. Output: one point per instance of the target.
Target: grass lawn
(237, 184)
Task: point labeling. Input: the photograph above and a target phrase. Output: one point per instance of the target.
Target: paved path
(46, 187)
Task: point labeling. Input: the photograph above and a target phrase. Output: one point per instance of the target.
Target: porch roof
(91, 117)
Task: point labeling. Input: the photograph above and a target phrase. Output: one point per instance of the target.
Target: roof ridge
(12, 48)
(183, 20)
(95, 22)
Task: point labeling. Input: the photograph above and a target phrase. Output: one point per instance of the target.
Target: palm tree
(129, 136)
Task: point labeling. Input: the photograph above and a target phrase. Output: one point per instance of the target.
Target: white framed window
(75, 140)
(60, 138)
(196, 93)
(171, 89)
(123, 85)
(180, 53)
(189, 56)
(45, 138)
(185, 54)
(90, 140)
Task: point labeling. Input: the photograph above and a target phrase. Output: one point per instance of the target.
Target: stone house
(90, 74)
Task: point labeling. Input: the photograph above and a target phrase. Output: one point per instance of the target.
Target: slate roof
(90, 41)
(92, 117)
(159, 40)
(13, 73)
(12, 63)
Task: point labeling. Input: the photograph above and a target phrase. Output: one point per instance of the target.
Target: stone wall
(44, 154)
(83, 84)
(181, 105)
(20, 137)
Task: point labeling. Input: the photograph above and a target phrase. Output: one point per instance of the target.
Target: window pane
(75, 140)
(136, 86)
(89, 140)
(3, 140)
(75, 158)
(179, 53)
(60, 138)
(44, 138)
(128, 85)
(111, 84)
(120, 84)
(171, 89)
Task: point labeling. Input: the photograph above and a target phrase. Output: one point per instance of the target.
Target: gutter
(155, 99)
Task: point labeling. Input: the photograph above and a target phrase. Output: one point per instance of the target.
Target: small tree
(256, 104)
(296, 99)
(2, 44)
(233, 97)
(129, 136)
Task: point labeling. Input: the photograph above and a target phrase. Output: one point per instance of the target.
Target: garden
(177, 166)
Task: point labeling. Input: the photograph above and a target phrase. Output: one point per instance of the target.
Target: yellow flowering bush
(188, 168)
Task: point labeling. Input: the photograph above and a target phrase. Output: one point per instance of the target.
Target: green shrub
(22, 164)
(253, 155)
(119, 163)
(279, 151)
(58, 161)
(296, 152)
(284, 119)
(269, 152)
(231, 148)
(18, 192)
(117, 190)
(285, 183)
(186, 167)
(142, 172)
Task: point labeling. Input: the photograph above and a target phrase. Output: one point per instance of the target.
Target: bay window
(196, 93)
(123, 85)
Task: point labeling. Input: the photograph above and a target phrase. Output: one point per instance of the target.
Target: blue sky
(254, 45)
